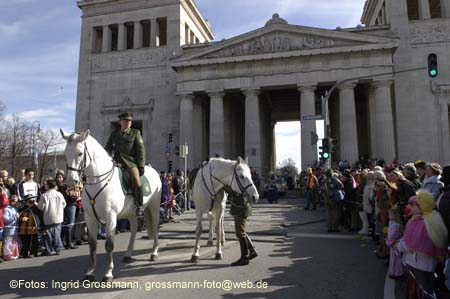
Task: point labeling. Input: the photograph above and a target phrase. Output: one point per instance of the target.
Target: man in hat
(420, 168)
(128, 148)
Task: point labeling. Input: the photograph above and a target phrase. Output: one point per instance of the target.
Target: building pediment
(278, 37)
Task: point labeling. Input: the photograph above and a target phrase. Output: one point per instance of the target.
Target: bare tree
(288, 166)
(48, 141)
(18, 133)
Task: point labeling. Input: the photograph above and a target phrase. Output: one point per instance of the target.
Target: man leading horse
(128, 148)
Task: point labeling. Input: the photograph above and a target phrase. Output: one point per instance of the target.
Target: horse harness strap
(108, 176)
(213, 194)
(92, 201)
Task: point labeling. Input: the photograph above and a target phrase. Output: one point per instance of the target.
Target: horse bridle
(82, 168)
(238, 182)
(81, 173)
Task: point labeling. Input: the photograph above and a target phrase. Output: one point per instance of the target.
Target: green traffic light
(326, 155)
(433, 73)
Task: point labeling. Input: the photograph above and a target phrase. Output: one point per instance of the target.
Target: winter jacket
(52, 205)
(433, 185)
(10, 220)
(444, 208)
(3, 204)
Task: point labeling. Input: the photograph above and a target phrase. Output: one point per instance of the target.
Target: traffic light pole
(185, 174)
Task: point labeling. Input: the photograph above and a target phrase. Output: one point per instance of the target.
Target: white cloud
(9, 29)
(287, 139)
(39, 113)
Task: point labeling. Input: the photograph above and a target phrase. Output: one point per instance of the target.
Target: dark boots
(139, 200)
(251, 248)
(243, 261)
(68, 239)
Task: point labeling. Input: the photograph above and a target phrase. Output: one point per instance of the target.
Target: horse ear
(86, 134)
(64, 135)
(246, 160)
(239, 160)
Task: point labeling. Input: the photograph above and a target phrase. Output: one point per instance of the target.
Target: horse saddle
(127, 183)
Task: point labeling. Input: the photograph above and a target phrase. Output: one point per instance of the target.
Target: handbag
(339, 195)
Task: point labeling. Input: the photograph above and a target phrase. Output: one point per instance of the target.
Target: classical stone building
(157, 59)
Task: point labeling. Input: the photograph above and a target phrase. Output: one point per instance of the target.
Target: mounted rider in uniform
(241, 209)
(128, 148)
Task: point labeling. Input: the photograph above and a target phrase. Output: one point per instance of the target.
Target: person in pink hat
(424, 242)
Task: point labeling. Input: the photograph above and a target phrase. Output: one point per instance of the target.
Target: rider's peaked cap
(126, 116)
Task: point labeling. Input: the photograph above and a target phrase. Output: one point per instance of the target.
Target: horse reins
(214, 194)
(108, 176)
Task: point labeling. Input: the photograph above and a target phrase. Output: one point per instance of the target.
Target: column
(137, 35)
(253, 129)
(444, 153)
(216, 124)
(445, 8)
(154, 33)
(122, 37)
(348, 143)
(106, 45)
(424, 9)
(186, 125)
(274, 149)
(384, 120)
(372, 123)
(307, 107)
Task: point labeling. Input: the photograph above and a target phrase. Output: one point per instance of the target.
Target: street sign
(312, 117)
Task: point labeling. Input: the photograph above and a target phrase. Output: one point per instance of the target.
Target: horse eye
(80, 154)
(242, 177)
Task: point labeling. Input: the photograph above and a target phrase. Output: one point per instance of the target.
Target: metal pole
(185, 173)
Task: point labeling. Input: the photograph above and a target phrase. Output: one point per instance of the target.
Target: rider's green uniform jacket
(240, 206)
(128, 148)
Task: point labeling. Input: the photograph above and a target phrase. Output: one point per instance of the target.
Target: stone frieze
(116, 61)
(278, 42)
(430, 32)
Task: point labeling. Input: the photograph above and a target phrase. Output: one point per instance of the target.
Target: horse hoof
(194, 259)
(107, 279)
(89, 278)
(209, 244)
(219, 256)
(154, 258)
(127, 259)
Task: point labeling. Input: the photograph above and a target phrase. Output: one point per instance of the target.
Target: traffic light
(170, 166)
(333, 145)
(325, 149)
(177, 150)
(433, 65)
(170, 137)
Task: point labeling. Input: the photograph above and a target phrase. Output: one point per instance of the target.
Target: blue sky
(39, 46)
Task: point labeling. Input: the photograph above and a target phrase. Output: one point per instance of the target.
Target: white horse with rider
(207, 191)
(104, 200)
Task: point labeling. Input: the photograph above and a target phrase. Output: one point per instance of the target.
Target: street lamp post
(35, 129)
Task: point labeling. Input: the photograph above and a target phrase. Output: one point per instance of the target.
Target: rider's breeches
(239, 226)
(135, 177)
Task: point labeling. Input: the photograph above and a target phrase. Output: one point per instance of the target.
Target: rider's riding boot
(251, 248)
(243, 261)
(139, 199)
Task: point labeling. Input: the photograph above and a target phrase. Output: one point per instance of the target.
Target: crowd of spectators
(404, 208)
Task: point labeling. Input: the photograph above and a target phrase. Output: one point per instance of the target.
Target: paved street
(298, 259)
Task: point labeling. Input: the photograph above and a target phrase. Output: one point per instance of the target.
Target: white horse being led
(209, 196)
(86, 157)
